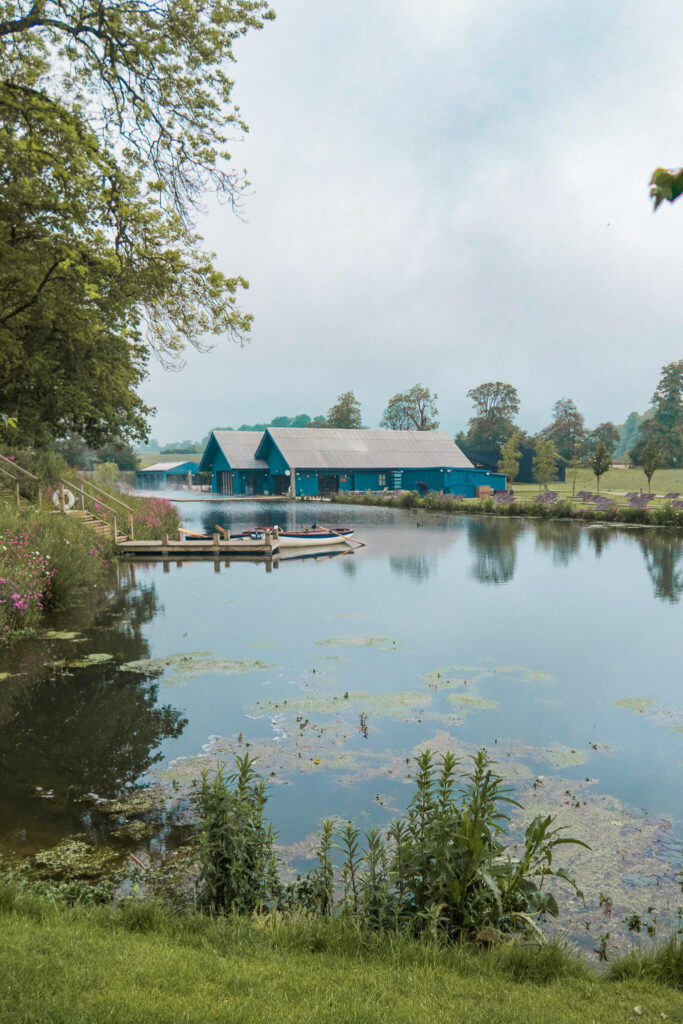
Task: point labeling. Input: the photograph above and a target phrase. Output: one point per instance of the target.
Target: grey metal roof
(239, 446)
(165, 467)
(311, 448)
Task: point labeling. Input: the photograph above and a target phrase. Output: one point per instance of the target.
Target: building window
(382, 479)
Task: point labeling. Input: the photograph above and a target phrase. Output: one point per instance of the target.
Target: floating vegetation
(445, 678)
(187, 666)
(5, 675)
(451, 676)
(381, 643)
(88, 660)
(562, 756)
(655, 712)
(400, 705)
(640, 704)
(56, 634)
(263, 643)
(349, 615)
(463, 703)
(72, 858)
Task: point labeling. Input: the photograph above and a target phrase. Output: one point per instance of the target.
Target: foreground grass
(139, 964)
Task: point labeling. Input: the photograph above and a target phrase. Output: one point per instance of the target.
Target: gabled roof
(238, 446)
(312, 448)
(166, 467)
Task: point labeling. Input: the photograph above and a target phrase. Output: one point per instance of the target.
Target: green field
(615, 481)
(142, 966)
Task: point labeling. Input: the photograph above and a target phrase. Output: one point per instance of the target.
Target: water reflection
(70, 736)
(562, 540)
(664, 562)
(416, 566)
(494, 543)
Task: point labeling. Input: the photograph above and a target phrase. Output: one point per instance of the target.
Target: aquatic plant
(237, 870)
(443, 868)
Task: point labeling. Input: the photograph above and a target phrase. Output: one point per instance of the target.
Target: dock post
(216, 541)
(269, 564)
(269, 542)
(164, 544)
(226, 535)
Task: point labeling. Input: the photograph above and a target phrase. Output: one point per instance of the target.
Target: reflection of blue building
(308, 461)
(165, 474)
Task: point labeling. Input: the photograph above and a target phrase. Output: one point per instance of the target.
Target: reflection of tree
(415, 566)
(664, 562)
(561, 539)
(494, 543)
(599, 537)
(89, 730)
(349, 566)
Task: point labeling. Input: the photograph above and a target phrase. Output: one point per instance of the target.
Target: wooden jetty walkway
(235, 547)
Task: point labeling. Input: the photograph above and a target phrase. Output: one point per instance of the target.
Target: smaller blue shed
(163, 475)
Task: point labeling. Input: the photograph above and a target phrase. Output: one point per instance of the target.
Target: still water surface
(453, 632)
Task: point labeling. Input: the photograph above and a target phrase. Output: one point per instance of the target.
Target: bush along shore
(49, 561)
(436, 918)
(664, 515)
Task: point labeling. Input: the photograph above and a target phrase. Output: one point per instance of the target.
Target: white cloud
(450, 193)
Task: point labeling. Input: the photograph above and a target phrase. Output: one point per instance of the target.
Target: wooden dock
(236, 547)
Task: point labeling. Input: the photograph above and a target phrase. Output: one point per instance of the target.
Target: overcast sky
(449, 192)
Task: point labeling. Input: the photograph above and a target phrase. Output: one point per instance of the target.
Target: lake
(557, 646)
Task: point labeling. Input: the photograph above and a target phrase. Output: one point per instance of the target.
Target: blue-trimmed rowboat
(304, 537)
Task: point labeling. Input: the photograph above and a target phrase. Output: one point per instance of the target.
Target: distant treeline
(654, 437)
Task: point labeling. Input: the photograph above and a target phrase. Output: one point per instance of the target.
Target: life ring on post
(69, 500)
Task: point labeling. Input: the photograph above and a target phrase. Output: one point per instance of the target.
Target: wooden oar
(347, 540)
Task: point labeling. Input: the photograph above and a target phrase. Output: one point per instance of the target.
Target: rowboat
(313, 537)
(305, 537)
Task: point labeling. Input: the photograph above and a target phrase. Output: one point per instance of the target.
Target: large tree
(606, 433)
(113, 123)
(496, 404)
(345, 413)
(411, 410)
(664, 427)
(566, 429)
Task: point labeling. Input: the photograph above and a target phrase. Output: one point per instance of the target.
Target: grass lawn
(615, 480)
(88, 966)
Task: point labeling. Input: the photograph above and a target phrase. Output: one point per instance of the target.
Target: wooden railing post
(61, 497)
(114, 531)
(130, 526)
(18, 496)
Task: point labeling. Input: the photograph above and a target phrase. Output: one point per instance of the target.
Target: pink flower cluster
(25, 582)
(158, 516)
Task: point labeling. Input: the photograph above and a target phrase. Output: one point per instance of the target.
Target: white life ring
(69, 500)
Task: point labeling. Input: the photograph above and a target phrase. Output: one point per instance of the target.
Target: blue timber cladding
(161, 476)
(311, 463)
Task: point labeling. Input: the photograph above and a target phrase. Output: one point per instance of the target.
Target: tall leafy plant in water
(444, 867)
(237, 868)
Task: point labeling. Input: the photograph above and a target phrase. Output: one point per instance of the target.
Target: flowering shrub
(154, 517)
(44, 561)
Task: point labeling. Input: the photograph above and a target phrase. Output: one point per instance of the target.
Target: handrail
(68, 484)
(110, 496)
(15, 465)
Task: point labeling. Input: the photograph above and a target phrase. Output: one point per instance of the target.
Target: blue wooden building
(163, 475)
(230, 459)
(306, 461)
